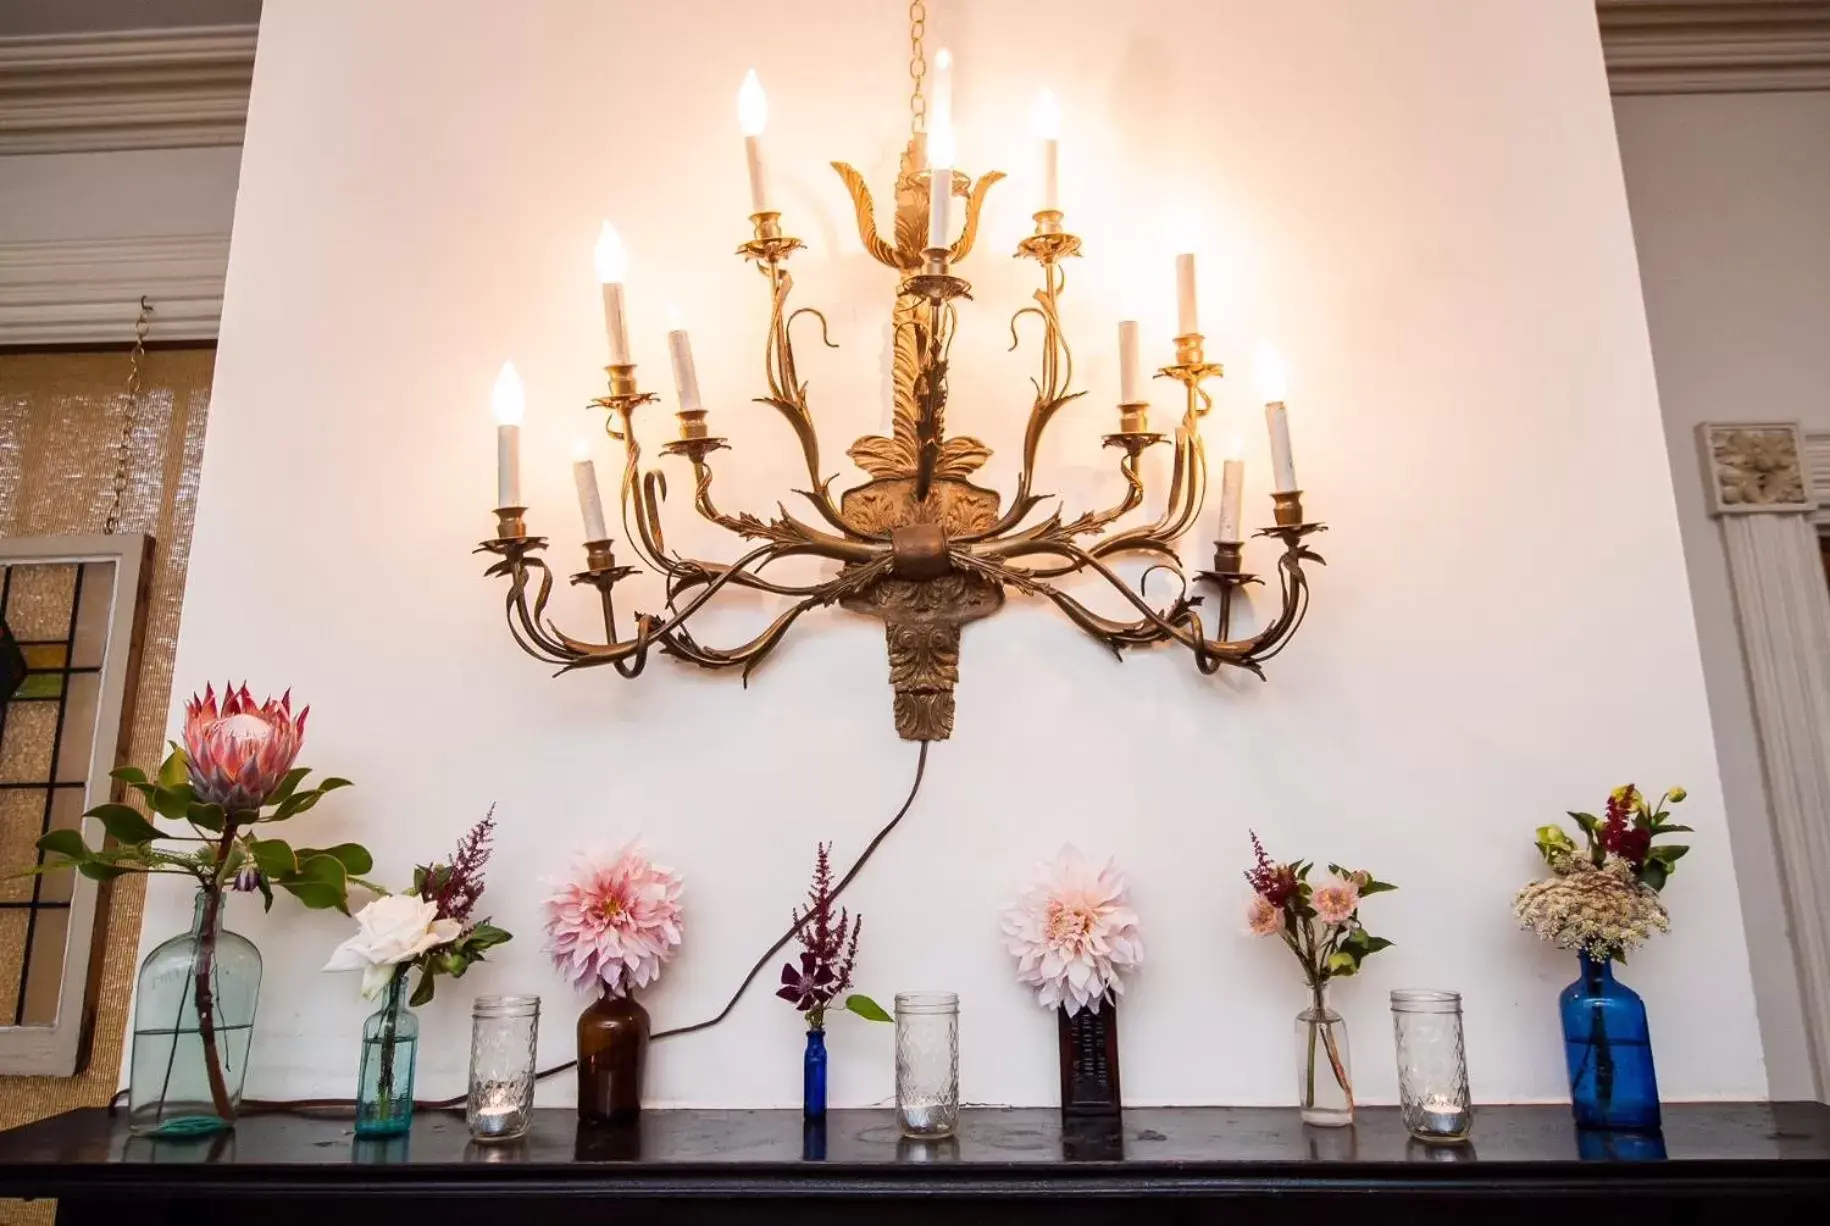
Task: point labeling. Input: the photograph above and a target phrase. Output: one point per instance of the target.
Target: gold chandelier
(918, 545)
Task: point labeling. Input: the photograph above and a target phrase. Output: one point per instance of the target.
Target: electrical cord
(301, 1106)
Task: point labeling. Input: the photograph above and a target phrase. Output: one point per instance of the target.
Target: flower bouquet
(1321, 925)
(611, 928)
(233, 778)
(1075, 936)
(829, 955)
(429, 927)
(1602, 900)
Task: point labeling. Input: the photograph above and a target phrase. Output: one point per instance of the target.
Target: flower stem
(205, 991)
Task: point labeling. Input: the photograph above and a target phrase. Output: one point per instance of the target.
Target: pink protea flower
(616, 922)
(239, 753)
(1262, 917)
(1335, 902)
(1073, 933)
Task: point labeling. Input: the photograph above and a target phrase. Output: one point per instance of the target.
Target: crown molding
(1715, 46)
(140, 89)
(88, 291)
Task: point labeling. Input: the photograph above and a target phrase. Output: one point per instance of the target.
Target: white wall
(1730, 193)
(1501, 633)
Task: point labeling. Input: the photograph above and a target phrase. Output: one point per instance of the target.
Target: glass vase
(927, 1063)
(1432, 1065)
(190, 1046)
(813, 1076)
(612, 1047)
(1608, 1046)
(390, 1045)
(1324, 1073)
(504, 1031)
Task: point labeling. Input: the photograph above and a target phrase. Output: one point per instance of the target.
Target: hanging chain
(918, 66)
(130, 415)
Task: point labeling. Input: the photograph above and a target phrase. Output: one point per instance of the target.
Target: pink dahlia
(1262, 917)
(1335, 902)
(1073, 933)
(238, 753)
(616, 922)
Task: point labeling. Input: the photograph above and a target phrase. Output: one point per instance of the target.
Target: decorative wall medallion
(1755, 467)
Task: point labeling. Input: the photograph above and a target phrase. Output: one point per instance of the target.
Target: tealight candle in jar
(1432, 1065)
(503, 1034)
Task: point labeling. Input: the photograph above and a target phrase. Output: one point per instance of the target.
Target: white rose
(393, 929)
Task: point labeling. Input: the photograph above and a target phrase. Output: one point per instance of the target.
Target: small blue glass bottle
(813, 1076)
(390, 1041)
(1612, 1083)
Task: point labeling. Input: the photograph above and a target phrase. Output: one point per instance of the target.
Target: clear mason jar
(1432, 1065)
(927, 1063)
(503, 1034)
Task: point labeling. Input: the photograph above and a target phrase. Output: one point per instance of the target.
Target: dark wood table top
(1030, 1153)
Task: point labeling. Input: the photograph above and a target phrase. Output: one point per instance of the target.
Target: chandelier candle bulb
(590, 501)
(612, 267)
(1048, 128)
(686, 375)
(940, 184)
(1232, 495)
(752, 116)
(509, 401)
(1130, 370)
(1188, 320)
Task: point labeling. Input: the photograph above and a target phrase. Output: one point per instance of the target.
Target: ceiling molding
(150, 89)
(88, 291)
(1715, 46)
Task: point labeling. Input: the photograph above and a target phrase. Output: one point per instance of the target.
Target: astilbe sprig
(829, 953)
(456, 887)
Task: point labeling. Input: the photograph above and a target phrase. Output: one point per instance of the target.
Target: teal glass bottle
(188, 1062)
(390, 1043)
(1608, 1046)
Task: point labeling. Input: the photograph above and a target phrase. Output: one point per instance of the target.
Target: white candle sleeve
(940, 206)
(1051, 175)
(686, 375)
(590, 502)
(1283, 468)
(508, 466)
(616, 329)
(1188, 320)
(759, 175)
(1232, 497)
(1130, 381)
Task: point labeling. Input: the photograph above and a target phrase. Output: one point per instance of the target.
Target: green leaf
(124, 824)
(275, 858)
(206, 817)
(866, 1008)
(66, 843)
(287, 785)
(175, 770)
(1587, 821)
(321, 884)
(354, 857)
(1653, 874)
(485, 936)
(98, 870)
(1342, 962)
(332, 784)
(173, 802)
(1676, 830)
(266, 888)
(129, 775)
(422, 992)
(1376, 887)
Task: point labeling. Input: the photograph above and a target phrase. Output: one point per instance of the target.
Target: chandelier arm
(676, 640)
(643, 534)
(707, 571)
(975, 201)
(1092, 521)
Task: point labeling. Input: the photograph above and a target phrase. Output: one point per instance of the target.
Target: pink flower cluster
(616, 922)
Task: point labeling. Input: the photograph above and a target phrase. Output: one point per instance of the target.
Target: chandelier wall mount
(918, 545)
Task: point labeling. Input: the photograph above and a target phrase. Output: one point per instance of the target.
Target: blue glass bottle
(390, 1041)
(813, 1076)
(1606, 1041)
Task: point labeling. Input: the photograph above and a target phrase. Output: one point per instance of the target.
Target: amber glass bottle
(612, 1044)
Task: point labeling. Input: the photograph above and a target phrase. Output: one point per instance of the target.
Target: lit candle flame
(509, 399)
(612, 259)
(1048, 116)
(1273, 376)
(752, 106)
(581, 450)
